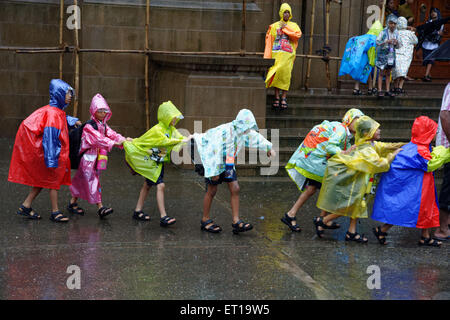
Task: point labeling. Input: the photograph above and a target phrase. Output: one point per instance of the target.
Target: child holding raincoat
(147, 154)
(218, 148)
(281, 44)
(40, 156)
(406, 195)
(348, 180)
(95, 145)
(307, 165)
(359, 58)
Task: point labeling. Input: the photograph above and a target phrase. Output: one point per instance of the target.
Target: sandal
(238, 228)
(214, 228)
(357, 92)
(379, 234)
(318, 222)
(369, 92)
(140, 215)
(430, 242)
(276, 103)
(58, 217)
(28, 212)
(374, 91)
(73, 208)
(164, 222)
(355, 237)
(380, 94)
(104, 211)
(284, 104)
(288, 221)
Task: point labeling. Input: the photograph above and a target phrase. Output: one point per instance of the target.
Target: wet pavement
(121, 258)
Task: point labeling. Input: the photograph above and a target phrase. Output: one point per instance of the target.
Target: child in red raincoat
(40, 156)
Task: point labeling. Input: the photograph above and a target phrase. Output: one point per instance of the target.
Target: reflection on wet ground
(121, 258)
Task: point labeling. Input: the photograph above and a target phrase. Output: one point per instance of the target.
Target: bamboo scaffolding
(308, 68)
(242, 52)
(61, 23)
(147, 57)
(77, 67)
(327, 38)
(375, 76)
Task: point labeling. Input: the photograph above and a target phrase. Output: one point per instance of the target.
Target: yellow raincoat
(281, 45)
(146, 153)
(347, 185)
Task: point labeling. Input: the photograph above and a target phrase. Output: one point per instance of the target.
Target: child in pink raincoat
(86, 182)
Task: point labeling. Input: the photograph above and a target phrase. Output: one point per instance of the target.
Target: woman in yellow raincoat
(347, 185)
(146, 155)
(281, 45)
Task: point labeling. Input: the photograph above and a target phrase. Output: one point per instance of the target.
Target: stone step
(336, 110)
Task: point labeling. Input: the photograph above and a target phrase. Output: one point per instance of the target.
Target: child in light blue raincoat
(218, 148)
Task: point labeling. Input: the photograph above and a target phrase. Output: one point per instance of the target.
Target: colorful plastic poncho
(322, 142)
(40, 156)
(146, 154)
(347, 183)
(386, 51)
(360, 54)
(404, 55)
(86, 182)
(226, 141)
(406, 195)
(281, 45)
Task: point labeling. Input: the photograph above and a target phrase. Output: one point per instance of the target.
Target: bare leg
(401, 83)
(234, 192)
(142, 196)
(54, 201)
(428, 71)
(277, 93)
(356, 87)
(380, 80)
(442, 231)
(305, 195)
(34, 192)
(388, 80)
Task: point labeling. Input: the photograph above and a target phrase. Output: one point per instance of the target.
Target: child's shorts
(311, 182)
(223, 177)
(425, 53)
(160, 179)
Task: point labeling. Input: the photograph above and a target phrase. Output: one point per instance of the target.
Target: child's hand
(186, 139)
(353, 147)
(119, 143)
(397, 151)
(78, 123)
(271, 153)
(129, 139)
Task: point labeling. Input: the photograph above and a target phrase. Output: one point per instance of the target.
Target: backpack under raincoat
(226, 140)
(322, 142)
(406, 195)
(281, 45)
(86, 182)
(360, 53)
(347, 183)
(40, 155)
(146, 154)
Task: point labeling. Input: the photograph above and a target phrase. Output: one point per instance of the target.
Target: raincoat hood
(376, 28)
(245, 120)
(365, 129)
(283, 8)
(166, 112)
(423, 130)
(98, 102)
(350, 115)
(58, 90)
(393, 18)
(402, 23)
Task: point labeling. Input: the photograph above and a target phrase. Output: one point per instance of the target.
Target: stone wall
(175, 25)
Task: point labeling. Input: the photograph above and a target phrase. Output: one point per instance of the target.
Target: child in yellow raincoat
(347, 185)
(281, 45)
(146, 155)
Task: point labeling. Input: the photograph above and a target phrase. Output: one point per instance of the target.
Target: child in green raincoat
(347, 185)
(146, 155)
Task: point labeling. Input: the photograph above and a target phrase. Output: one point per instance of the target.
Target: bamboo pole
(61, 16)
(327, 38)
(77, 68)
(375, 76)
(308, 69)
(242, 52)
(147, 57)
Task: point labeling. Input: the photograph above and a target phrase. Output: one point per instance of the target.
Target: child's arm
(71, 121)
(384, 148)
(439, 156)
(113, 135)
(269, 44)
(94, 139)
(335, 141)
(255, 140)
(366, 159)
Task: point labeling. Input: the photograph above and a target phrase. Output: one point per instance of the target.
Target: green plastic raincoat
(146, 154)
(347, 185)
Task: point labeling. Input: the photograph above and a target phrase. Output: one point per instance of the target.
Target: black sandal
(214, 228)
(73, 208)
(164, 221)
(104, 211)
(288, 221)
(354, 237)
(374, 91)
(237, 226)
(28, 212)
(283, 105)
(379, 234)
(318, 222)
(276, 103)
(430, 242)
(58, 217)
(369, 92)
(357, 92)
(140, 215)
